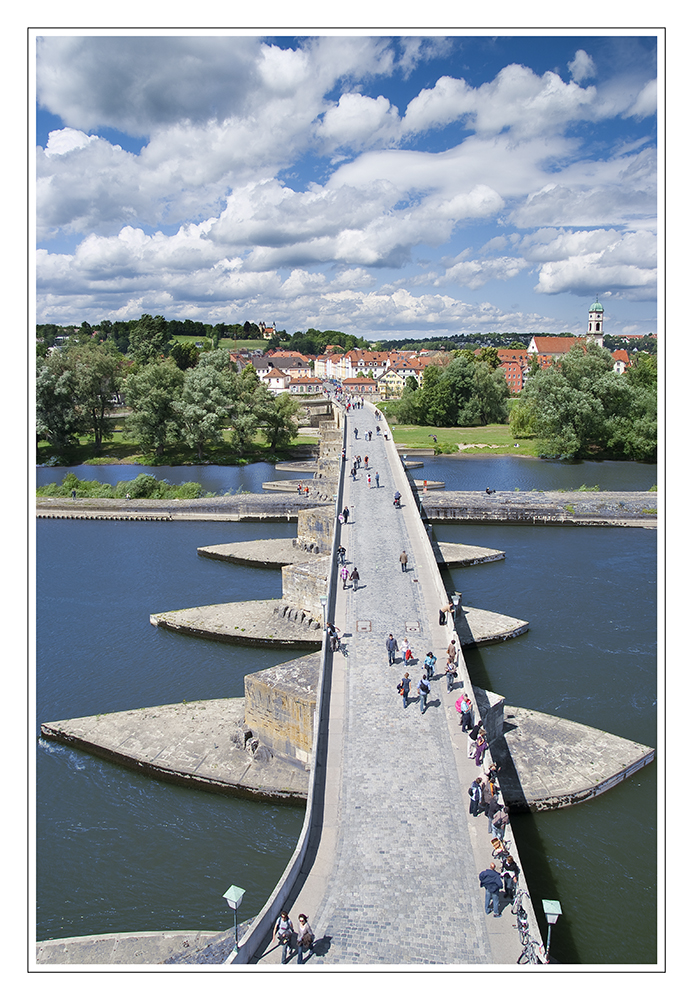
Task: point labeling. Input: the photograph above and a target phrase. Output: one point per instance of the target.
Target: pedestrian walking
(377, 480)
(492, 883)
(284, 931)
(424, 689)
(474, 792)
(500, 820)
(369, 480)
(355, 578)
(345, 515)
(344, 573)
(452, 650)
(403, 560)
(341, 554)
(304, 938)
(356, 432)
(406, 651)
(353, 473)
(450, 673)
(403, 688)
(429, 664)
(392, 647)
(365, 462)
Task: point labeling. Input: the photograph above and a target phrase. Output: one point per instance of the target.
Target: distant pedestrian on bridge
(304, 938)
(475, 797)
(424, 689)
(403, 688)
(492, 883)
(377, 480)
(284, 930)
(344, 573)
(392, 647)
(345, 515)
(404, 558)
(355, 578)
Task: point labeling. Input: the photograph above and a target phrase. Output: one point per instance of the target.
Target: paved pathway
(395, 880)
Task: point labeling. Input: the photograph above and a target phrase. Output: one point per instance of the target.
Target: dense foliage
(467, 392)
(175, 393)
(142, 487)
(580, 408)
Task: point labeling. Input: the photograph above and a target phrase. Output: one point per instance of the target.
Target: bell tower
(595, 323)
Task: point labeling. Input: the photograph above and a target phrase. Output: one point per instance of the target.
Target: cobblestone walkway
(403, 887)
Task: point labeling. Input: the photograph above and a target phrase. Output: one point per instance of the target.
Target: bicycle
(532, 951)
(532, 954)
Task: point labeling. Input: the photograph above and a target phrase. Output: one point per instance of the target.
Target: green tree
(76, 391)
(206, 399)
(58, 420)
(152, 393)
(580, 407)
(464, 393)
(279, 426)
(149, 339)
(185, 354)
(99, 373)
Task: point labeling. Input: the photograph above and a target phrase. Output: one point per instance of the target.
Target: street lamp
(552, 911)
(233, 896)
(456, 604)
(323, 601)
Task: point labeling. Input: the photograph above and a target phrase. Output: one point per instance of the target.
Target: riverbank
(445, 506)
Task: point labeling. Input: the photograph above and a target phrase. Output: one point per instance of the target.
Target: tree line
(173, 395)
(577, 408)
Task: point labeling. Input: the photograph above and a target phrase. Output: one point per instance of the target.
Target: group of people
(423, 688)
(301, 941)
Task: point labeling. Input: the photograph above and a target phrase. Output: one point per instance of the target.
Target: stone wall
(280, 706)
(315, 530)
(303, 584)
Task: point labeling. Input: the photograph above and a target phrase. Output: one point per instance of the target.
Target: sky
(387, 186)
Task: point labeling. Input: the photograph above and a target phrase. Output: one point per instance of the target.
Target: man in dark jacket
(392, 647)
(491, 881)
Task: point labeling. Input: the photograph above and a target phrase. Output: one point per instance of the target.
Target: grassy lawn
(229, 343)
(496, 439)
(123, 450)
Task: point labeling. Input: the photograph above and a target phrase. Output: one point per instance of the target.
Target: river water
(119, 852)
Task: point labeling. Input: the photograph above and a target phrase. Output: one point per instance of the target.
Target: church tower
(595, 323)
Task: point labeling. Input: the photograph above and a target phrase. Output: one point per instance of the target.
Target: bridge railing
(257, 933)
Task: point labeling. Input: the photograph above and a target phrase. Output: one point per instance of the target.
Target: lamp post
(323, 601)
(552, 911)
(233, 896)
(456, 604)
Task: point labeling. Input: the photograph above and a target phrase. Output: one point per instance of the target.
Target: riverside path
(394, 880)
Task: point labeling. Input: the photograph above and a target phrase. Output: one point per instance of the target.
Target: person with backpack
(403, 689)
(424, 689)
(474, 792)
(283, 930)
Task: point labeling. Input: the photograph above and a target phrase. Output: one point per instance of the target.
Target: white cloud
(237, 133)
(582, 67)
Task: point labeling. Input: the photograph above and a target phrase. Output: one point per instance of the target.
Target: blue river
(119, 852)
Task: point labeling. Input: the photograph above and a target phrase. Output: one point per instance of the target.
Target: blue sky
(386, 186)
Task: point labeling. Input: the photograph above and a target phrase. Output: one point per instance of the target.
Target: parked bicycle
(533, 952)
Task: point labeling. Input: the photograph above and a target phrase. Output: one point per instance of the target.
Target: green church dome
(596, 307)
